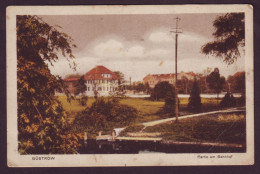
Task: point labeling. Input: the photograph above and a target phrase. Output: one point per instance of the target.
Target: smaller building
(153, 79)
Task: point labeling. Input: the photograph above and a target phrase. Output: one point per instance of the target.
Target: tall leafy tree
(161, 90)
(169, 105)
(229, 37)
(195, 100)
(237, 84)
(121, 77)
(216, 82)
(147, 88)
(81, 89)
(42, 121)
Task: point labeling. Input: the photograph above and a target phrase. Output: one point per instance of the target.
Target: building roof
(191, 73)
(71, 79)
(239, 73)
(158, 76)
(166, 76)
(96, 74)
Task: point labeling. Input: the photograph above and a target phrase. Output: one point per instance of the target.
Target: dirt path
(153, 123)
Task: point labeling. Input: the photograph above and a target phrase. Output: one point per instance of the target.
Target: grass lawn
(221, 128)
(73, 107)
(224, 128)
(147, 110)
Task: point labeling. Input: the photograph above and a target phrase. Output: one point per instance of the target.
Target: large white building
(99, 80)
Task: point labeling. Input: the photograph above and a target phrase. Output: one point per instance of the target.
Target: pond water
(138, 147)
(184, 95)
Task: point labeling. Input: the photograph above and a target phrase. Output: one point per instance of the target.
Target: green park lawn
(222, 128)
(218, 128)
(147, 110)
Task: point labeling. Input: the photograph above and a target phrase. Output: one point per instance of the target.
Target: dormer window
(106, 75)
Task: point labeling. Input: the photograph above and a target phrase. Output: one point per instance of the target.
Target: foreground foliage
(42, 123)
(229, 37)
(104, 115)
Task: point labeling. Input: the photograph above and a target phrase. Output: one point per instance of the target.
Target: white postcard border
(83, 160)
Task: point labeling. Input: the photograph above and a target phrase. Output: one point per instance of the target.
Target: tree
(139, 86)
(195, 100)
(147, 88)
(42, 121)
(237, 84)
(81, 89)
(229, 37)
(240, 83)
(121, 77)
(161, 90)
(216, 82)
(169, 105)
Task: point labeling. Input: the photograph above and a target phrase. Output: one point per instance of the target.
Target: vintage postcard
(158, 85)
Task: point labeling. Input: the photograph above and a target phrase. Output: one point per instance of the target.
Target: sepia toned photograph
(130, 85)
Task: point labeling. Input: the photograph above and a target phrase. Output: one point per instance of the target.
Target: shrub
(161, 90)
(195, 100)
(228, 100)
(169, 106)
(104, 115)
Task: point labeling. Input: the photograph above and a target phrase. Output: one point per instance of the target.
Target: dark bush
(161, 90)
(228, 100)
(105, 115)
(169, 106)
(195, 100)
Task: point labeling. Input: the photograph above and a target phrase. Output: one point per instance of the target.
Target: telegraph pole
(176, 31)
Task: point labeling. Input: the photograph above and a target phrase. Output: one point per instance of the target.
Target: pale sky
(139, 44)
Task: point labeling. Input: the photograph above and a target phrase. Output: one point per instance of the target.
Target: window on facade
(106, 75)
